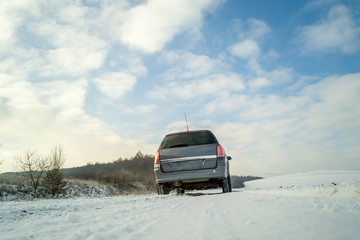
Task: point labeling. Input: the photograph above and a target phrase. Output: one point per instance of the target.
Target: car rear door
(187, 158)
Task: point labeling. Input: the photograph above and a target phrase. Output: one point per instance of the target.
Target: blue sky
(278, 82)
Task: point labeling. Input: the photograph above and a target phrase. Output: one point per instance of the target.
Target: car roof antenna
(187, 126)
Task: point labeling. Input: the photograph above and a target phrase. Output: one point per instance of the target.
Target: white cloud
(338, 32)
(260, 82)
(336, 94)
(248, 49)
(194, 75)
(271, 54)
(7, 28)
(17, 92)
(73, 61)
(72, 14)
(336, 100)
(37, 116)
(248, 46)
(215, 84)
(48, 50)
(177, 126)
(265, 78)
(189, 65)
(226, 103)
(142, 109)
(245, 49)
(58, 35)
(21, 62)
(251, 28)
(12, 15)
(151, 25)
(136, 67)
(258, 107)
(128, 63)
(280, 75)
(254, 67)
(72, 51)
(116, 84)
(315, 129)
(67, 98)
(257, 29)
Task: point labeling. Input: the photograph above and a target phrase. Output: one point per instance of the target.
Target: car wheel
(225, 185)
(229, 182)
(180, 191)
(162, 189)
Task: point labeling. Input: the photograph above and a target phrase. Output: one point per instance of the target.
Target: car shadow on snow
(201, 194)
(204, 193)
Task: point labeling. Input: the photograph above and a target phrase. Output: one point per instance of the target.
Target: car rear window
(185, 139)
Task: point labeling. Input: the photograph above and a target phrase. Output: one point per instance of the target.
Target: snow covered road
(263, 210)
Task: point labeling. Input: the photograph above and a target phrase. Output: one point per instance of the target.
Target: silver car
(191, 160)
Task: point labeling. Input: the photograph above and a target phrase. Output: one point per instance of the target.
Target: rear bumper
(220, 172)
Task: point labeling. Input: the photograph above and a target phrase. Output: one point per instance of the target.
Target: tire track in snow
(188, 218)
(148, 223)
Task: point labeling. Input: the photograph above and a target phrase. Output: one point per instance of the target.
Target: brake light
(220, 151)
(157, 157)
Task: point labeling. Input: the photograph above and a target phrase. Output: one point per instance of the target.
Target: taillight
(157, 157)
(220, 151)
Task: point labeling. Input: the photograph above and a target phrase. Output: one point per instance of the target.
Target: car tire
(180, 191)
(225, 185)
(229, 182)
(162, 189)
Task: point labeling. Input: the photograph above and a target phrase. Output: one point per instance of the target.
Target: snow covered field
(315, 205)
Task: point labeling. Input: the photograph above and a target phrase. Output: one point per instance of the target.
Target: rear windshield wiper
(179, 145)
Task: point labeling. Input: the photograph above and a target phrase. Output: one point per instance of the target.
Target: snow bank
(14, 192)
(74, 188)
(343, 184)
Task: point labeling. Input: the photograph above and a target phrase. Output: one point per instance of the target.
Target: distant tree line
(122, 173)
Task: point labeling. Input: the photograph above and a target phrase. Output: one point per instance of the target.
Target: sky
(278, 82)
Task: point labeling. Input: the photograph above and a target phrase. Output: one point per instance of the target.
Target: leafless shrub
(34, 167)
(57, 158)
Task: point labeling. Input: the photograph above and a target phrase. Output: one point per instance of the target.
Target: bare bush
(57, 158)
(43, 171)
(33, 167)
